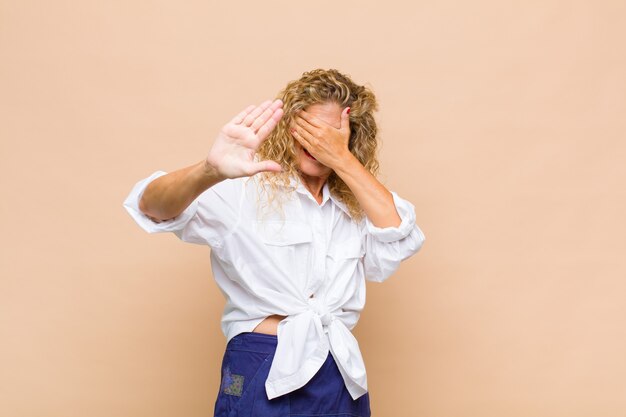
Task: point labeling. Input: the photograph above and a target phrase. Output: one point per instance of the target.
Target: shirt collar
(295, 182)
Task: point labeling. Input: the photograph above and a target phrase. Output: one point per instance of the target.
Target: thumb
(345, 119)
(265, 166)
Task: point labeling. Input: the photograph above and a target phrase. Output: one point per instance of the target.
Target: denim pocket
(241, 370)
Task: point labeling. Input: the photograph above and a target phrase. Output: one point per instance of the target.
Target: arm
(168, 196)
(231, 156)
(330, 146)
(390, 234)
(375, 199)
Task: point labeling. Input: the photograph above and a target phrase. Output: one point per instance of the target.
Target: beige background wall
(503, 122)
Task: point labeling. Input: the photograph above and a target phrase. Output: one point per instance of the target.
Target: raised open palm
(232, 153)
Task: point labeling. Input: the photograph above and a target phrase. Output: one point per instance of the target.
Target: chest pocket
(287, 243)
(347, 249)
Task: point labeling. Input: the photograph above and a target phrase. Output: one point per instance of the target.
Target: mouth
(308, 154)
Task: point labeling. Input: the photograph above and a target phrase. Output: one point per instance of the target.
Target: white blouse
(264, 266)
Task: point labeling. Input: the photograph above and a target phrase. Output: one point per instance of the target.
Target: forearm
(168, 196)
(374, 198)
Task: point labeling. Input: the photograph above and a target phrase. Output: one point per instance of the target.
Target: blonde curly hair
(317, 87)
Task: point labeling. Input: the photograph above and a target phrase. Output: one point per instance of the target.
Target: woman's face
(329, 112)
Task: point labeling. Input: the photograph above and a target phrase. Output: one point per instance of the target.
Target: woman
(288, 201)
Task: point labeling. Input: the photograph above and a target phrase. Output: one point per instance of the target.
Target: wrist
(210, 172)
(348, 164)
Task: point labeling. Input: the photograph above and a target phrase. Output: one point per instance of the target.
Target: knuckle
(228, 129)
(250, 136)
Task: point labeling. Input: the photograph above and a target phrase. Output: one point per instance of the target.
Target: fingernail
(348, 110)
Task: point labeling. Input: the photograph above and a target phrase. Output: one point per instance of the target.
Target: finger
(266, 115)
(278, 103)
(304, 134)
(269, 125)
(262, 166)
(345, 119)
(301, 138)
(256, 113)
(239, 118)
(306, 126)
(311, 119)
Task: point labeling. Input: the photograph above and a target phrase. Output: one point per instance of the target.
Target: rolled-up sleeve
(386, 247)
(207, 220)
(131, 204)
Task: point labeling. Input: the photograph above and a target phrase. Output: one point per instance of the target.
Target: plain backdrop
(503, 123)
